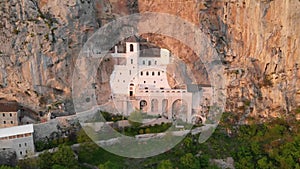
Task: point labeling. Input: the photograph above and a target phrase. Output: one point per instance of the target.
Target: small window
(131, 61)
(158, 73)
(123, 81)
(153, 73)
(155, 62)
(120, 73)
(154, 82)
(147, 73)
(21, 153)
(19, 145)
(144, 62)
(129, 72)
(144, 81)
(25, 144)
(26, 151)
(10, 114)
(141, 73)
(3, 114)
(131, 47)
(149, 62)
(4, 122)
(11, 122)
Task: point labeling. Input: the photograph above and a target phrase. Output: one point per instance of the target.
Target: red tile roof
(9, 106)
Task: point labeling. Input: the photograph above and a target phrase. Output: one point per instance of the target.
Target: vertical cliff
(257, 40)
(258, 44)
(40, 41)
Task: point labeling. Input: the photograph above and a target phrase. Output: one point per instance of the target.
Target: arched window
(147, 73)
(141, 73)
(153, 73)
(158, 73)
(131, 61)
(144, 62)
(149, 62)
(131, 47)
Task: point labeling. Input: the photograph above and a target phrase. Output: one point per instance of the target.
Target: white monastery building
(139, 81)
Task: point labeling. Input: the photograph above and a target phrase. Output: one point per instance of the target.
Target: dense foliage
(275, 144)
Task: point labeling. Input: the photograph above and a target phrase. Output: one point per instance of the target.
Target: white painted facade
(139, 81)
(19, 138)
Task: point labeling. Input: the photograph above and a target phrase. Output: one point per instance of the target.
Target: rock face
(8, 157)
(256, 40)
(40, 43)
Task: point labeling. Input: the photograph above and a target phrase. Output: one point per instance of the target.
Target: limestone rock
(257, 41)
(8, 157)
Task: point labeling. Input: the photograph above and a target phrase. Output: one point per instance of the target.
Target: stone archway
(180, 110)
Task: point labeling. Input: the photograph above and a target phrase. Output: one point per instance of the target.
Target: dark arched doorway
(197, 120)
(143, 105)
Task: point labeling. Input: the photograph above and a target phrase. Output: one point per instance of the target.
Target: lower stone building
(19, 138)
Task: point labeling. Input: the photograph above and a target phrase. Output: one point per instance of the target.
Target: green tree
(147, 131)
(8, 167)
(82, 137)
(28, 163)
(56, 166)
(108, 165)
(45, 160)
(244, 158)
(165, 164)
(189, 161)
(136, 119)
(263, 163)
(65, 157)
(188, 142)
